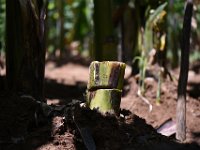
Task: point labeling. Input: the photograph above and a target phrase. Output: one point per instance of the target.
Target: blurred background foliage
(70, 28)
(2, 24)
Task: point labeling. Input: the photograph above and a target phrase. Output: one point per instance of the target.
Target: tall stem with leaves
(146, 41)
(143, 65)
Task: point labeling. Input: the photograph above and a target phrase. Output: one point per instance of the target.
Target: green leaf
(156, 13)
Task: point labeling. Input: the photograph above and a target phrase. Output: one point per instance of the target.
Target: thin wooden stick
(183, 77)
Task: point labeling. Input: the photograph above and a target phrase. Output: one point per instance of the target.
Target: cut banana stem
(104, 100)
(106, 75)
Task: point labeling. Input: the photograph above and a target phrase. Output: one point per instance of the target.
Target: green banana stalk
(104, 100)
(106, 75)
(105, 86)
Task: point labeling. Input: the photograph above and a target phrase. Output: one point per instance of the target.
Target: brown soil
(62, 127)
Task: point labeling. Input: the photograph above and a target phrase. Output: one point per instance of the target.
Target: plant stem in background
(105, 42)
(47, 27)
(25, 55)
(142, 65)
(183, 77)
(61, 26)
(172, 34)
(160, 78)
(143, 73)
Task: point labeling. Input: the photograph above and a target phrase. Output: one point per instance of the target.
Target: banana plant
(25, 56)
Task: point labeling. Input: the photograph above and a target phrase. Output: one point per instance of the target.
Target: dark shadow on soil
(196, 134)
(194, 90)
(55, 90)
(126, 88)
(195, 66)
(18, 123)
(2, 83)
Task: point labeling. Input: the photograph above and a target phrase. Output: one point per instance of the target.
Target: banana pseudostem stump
(105, 86)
